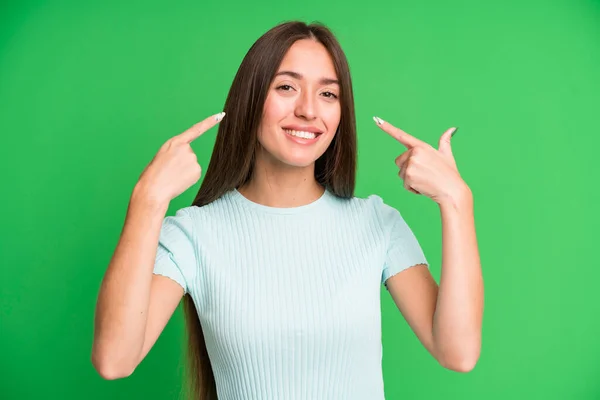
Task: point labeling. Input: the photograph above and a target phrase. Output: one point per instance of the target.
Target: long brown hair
(232, 159)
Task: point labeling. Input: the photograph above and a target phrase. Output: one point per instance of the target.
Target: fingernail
(454, 131)
(219, 116)
(378, 120)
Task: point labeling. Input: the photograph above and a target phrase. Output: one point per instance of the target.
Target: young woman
(278, 264)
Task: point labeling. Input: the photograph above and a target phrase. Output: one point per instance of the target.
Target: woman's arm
(447, 319)
(133, 304)
(459, 308)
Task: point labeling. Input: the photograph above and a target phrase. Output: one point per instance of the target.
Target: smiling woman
(280, 266)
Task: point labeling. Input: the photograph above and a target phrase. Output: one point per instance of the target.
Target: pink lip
(311, 129)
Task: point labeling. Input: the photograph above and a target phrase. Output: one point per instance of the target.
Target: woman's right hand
(134, 305)
(175, 168)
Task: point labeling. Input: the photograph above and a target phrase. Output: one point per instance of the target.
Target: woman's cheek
(332, 120)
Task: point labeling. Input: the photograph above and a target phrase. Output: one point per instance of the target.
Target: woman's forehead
(310, 60)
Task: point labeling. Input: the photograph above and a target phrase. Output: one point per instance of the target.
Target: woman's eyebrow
(295, 75)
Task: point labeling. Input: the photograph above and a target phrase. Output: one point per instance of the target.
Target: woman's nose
(305, 106)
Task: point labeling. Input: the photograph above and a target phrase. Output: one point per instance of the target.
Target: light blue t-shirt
(289, 298)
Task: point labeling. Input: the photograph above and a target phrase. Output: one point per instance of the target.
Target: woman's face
(302, 109)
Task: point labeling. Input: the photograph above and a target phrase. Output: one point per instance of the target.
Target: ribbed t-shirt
(289, 298)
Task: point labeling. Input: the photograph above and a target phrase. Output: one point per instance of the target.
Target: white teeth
(301, 134)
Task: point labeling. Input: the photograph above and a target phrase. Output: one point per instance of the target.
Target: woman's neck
(282, 186)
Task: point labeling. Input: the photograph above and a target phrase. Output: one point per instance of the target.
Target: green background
(89, 92)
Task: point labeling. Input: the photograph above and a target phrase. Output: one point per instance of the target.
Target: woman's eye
(330, 95)
(285, 88)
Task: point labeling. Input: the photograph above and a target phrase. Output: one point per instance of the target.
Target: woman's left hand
(425, 170)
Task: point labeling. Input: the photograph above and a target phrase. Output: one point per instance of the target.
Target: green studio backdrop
(90, 90)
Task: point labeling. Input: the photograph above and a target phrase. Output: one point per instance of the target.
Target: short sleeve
(403, 248)
(176, 253)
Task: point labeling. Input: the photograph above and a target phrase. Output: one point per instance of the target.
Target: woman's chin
(296, 158)
(298, 163)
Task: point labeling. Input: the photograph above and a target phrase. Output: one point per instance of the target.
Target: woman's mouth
(302, 134)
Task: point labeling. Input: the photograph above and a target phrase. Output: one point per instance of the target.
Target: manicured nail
(378, 120)
(219, 116)
(454, 131)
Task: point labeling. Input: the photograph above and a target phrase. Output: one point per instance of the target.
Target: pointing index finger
(407, 140)
(196, 130)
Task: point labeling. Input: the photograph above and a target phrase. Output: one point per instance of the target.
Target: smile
(301, 134)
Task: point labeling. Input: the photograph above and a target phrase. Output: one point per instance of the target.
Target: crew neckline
(280, 210)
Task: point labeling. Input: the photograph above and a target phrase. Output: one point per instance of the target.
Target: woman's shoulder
(209, 208)
(375, 207)
(372, 202)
